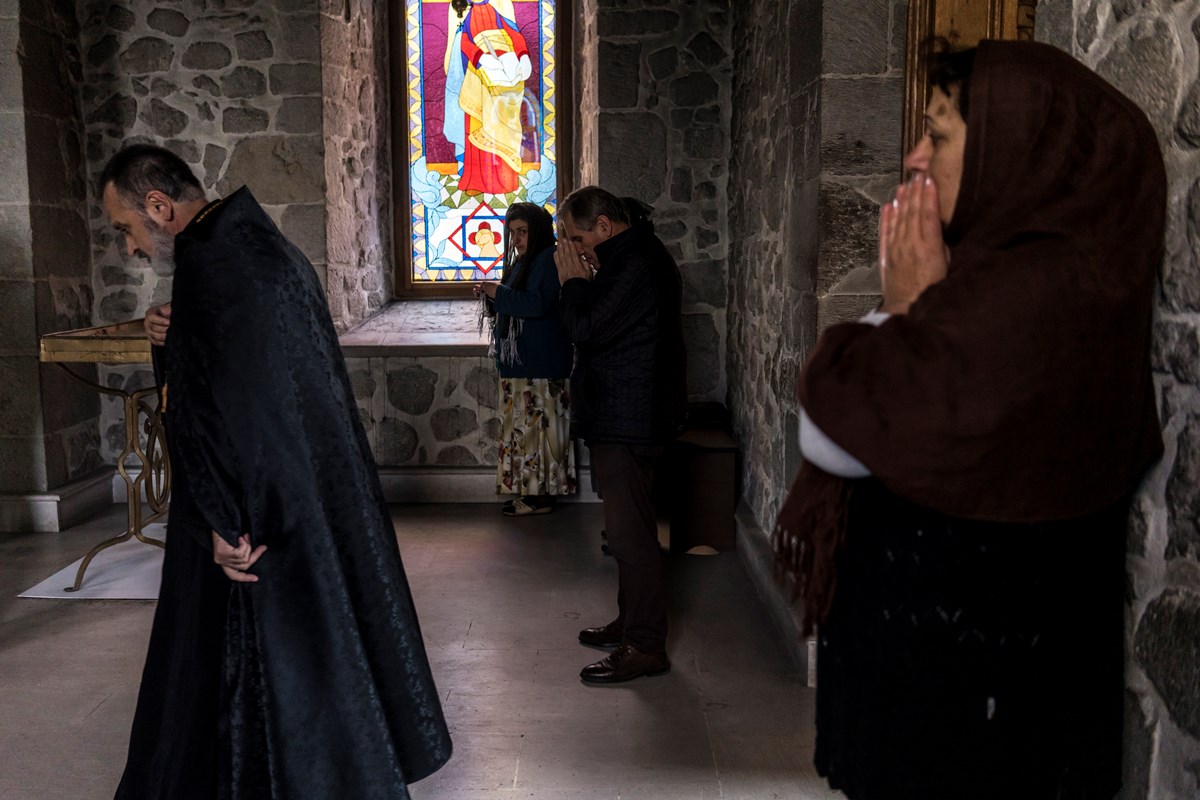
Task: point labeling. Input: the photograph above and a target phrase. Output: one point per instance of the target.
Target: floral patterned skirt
(536, 454)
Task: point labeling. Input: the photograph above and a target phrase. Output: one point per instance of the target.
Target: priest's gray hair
(141, 168)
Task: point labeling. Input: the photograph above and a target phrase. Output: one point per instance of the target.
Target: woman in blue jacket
(536, 458)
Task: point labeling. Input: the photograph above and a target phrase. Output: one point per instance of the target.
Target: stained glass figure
(481, 120)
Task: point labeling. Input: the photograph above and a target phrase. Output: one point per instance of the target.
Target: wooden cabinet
(696, 482)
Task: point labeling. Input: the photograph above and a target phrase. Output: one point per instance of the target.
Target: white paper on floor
(127, 571)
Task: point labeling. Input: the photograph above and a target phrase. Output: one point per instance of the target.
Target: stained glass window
(481, 95)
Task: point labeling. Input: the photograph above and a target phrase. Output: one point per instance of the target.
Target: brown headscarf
(1018, 388)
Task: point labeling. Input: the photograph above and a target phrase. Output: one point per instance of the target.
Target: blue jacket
(543, 346)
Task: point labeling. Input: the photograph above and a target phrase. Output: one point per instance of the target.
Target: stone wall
(428, 411)
(664, 81)
(585, 75)
(1151, 51)
(357, 160)
(862, 101)
(22, 451)
(818, 95)
(234, 88)
(773, 232)
(48, 428)
(432, 401)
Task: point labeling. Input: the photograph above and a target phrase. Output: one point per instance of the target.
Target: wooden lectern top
(123, 343)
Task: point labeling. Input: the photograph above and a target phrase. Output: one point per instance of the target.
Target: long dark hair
(541, 236)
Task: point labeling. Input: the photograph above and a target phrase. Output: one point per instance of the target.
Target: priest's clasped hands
(235, 561)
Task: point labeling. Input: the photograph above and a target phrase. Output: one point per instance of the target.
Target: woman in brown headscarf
(990, 427)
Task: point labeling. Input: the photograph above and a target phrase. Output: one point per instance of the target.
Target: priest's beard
(163, 260)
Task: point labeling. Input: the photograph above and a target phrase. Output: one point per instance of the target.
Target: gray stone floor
(500, 601)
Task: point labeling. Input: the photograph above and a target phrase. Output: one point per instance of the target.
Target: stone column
(861, 134)
(357, 160)
(585, 73)
(817, 107)
(773, 234)
(816, 147)
(48, 424)
(774, 239)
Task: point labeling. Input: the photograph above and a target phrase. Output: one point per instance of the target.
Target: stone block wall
(48, 424)
(818, 99)
(1151, 51)
(234, 88)
(357, 159)
(427, 411)
(22, 452)
(862, 103)
(585, 76)
(773, 233)
(663, 83)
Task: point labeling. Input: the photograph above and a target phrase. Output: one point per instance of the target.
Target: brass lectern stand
(124, 343)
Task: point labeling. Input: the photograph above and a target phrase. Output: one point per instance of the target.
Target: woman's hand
(912, 253)
(485, 288)
(235, 561)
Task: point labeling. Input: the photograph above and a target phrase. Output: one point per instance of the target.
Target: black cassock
(313, 682)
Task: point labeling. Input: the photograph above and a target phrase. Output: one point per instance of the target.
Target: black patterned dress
(965, 660)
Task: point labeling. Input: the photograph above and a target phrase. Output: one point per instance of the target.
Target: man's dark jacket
(629, 384)
(324, 685)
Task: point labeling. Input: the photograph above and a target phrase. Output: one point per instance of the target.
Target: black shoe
(606, 637)
(625, 664)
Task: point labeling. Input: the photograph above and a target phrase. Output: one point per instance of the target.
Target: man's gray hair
(141, 168)
(584, 205)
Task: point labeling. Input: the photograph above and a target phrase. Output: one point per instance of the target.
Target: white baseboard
(61, 508)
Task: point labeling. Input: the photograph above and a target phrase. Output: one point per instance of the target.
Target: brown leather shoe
(607, 637)
(625, 664)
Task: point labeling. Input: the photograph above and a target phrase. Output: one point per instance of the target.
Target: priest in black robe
(293, 667)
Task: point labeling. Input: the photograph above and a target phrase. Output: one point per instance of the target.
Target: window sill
(418, 328)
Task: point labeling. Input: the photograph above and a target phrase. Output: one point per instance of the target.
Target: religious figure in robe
(301, 675)
(487, 63)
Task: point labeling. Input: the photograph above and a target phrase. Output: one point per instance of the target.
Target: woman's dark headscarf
(541, 236)
(516, 270)
(1017, 389)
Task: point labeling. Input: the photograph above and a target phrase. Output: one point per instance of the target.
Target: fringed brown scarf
(808, 537)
